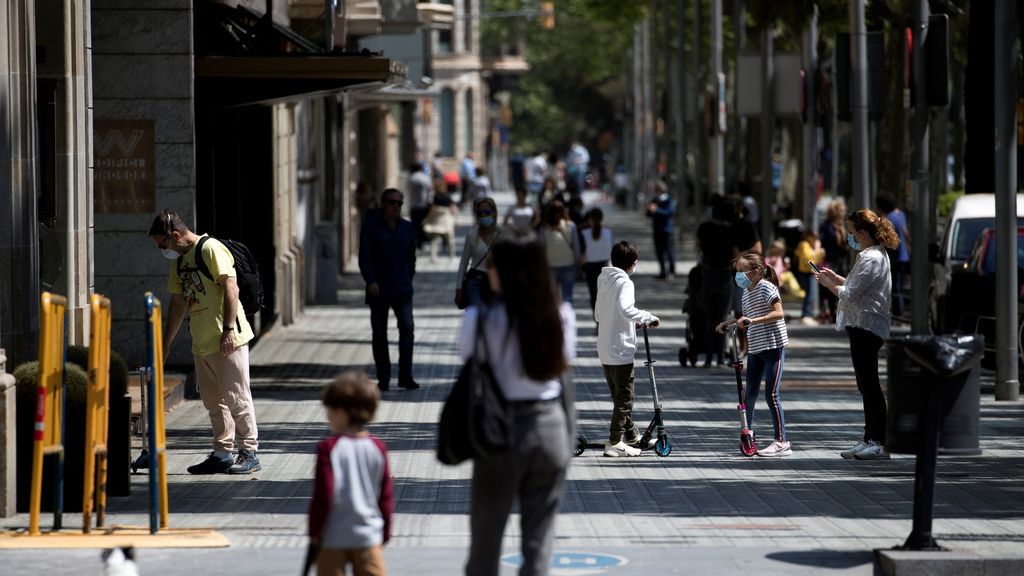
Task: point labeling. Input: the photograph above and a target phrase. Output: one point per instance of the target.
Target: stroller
(695, 317)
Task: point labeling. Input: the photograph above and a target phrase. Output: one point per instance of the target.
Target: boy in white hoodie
(617, 318)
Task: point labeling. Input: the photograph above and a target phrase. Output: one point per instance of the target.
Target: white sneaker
(776, 448)
(620, 449)
(848, 454)
(873, 451)
(635, 442)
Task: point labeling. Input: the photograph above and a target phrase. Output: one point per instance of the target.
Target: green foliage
(946, 202)
(79, 356)
(26, 378)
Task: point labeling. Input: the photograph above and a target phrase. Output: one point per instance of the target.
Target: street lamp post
(861, 193)
(919, 265)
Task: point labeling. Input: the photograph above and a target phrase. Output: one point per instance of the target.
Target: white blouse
(866, 297)
(599, 250)
(505, 358)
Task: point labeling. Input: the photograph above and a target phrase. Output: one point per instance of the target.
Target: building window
(447, 122)
(468, 121)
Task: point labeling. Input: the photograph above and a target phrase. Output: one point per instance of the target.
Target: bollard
(155, 411)
(97, 409)
(49, 406)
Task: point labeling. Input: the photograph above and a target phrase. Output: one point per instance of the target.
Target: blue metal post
(151, 415)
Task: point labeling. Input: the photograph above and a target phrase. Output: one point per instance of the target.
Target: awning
(242, 58)
(396, 94)
(243, 80)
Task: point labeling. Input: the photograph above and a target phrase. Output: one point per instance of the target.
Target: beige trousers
(364, 561)
(224, 387)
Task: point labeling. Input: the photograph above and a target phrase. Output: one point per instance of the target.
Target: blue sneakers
(245, 463)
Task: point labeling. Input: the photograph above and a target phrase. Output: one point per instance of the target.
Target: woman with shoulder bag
(530, 339)
(471, 288)
(562, 248)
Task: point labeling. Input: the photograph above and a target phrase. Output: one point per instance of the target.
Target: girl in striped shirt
(767, 339)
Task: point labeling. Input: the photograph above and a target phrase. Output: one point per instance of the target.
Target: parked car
(971, 215)
(971, 305)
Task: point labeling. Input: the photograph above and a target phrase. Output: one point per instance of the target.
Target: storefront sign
(124, 166)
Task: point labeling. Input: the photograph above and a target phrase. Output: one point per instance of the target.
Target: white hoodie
(617, 316)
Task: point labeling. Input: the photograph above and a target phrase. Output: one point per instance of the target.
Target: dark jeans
(533, 472)
(767, 365)
(805, 279)
(665, 252)
(417, 215)
(379, 309)
(898, 270)
(591, 270)
(717, 294)
(620, 385)
(864, 347)
(565, 279)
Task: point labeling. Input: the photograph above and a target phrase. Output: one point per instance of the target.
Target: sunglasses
(394, 202)
(485, 213)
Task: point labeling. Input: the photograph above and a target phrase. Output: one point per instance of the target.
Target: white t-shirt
(599, 250)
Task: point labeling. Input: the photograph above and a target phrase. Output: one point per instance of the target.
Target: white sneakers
(635, 442)
(620, 449)
(776, 448)
(866, 451)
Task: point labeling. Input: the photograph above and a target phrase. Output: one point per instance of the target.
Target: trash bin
(916, 362)
(933, 401)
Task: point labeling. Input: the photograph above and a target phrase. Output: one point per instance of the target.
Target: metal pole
(716, 148)
(329, 25)
(920, 268)
(698, 121)
(767, 135)
(678, 112)
(861, 193)
(648, 111)
(810, 164)
(739, 123)
(1007, 383)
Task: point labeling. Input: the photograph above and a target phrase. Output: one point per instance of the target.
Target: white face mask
(170, 254)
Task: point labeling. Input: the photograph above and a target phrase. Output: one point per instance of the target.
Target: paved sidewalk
(703, 510)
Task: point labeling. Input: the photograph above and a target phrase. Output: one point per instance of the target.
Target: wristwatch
(229, 328)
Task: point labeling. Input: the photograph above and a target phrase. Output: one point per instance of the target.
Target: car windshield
(989, 265)
(966, 232)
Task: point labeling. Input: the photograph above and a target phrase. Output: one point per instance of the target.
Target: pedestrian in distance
(522, 216)
(387, 262)
(561, 243)
(420, 196)
(718, 248)
(530, 341)
(865, 298)
(350, 512)
(471, 285)
(597, 251)
(481, 184)
(439, 224)
(767, 338)
(220, 340)
(617, 318)
(832, 233)
(662, 212)
(899, 258)
(467, 175)
(808, 251)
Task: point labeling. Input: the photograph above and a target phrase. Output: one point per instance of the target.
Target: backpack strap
(200, 261)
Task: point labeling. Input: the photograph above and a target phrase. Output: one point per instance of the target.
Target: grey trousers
(533, 473)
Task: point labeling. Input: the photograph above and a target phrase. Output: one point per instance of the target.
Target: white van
(971, 214)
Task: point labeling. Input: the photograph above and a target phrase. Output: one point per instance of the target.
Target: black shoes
(245, 463)
(410, 385)
(212, 465)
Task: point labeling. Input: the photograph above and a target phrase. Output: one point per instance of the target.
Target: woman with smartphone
(864, 297)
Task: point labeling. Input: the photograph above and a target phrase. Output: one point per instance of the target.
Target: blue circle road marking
(574, 563)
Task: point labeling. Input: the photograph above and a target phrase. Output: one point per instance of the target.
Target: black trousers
(665, 252)
(864, 347)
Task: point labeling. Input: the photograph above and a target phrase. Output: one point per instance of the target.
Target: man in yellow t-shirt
(220, 340)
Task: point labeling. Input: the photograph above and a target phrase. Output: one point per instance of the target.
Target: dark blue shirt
(663, 215)
(388, 257)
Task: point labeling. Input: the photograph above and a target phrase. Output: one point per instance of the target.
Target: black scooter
(656, 429)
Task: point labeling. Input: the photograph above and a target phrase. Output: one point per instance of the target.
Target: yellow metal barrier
(97, 409)
(157, 437)
(49, 404)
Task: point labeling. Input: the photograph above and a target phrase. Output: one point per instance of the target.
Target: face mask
(170, 254)
(487, 221)
(742, 281)
(853, 243)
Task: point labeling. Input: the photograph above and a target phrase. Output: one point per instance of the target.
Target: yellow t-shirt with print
(205, 298)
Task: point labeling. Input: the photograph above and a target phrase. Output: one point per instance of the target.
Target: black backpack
(247, 273)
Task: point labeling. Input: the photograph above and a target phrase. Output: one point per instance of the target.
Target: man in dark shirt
(387, 261)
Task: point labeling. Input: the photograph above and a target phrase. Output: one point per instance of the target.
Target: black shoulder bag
(476, 421)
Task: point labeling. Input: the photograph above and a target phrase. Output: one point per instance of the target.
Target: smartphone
(813, 267)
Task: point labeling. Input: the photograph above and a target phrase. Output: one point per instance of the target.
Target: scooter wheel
(581, 445)
(663, 447)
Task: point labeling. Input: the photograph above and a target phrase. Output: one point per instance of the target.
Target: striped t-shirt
(756, 304)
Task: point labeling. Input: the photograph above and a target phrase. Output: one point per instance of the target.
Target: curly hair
(878, 227)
